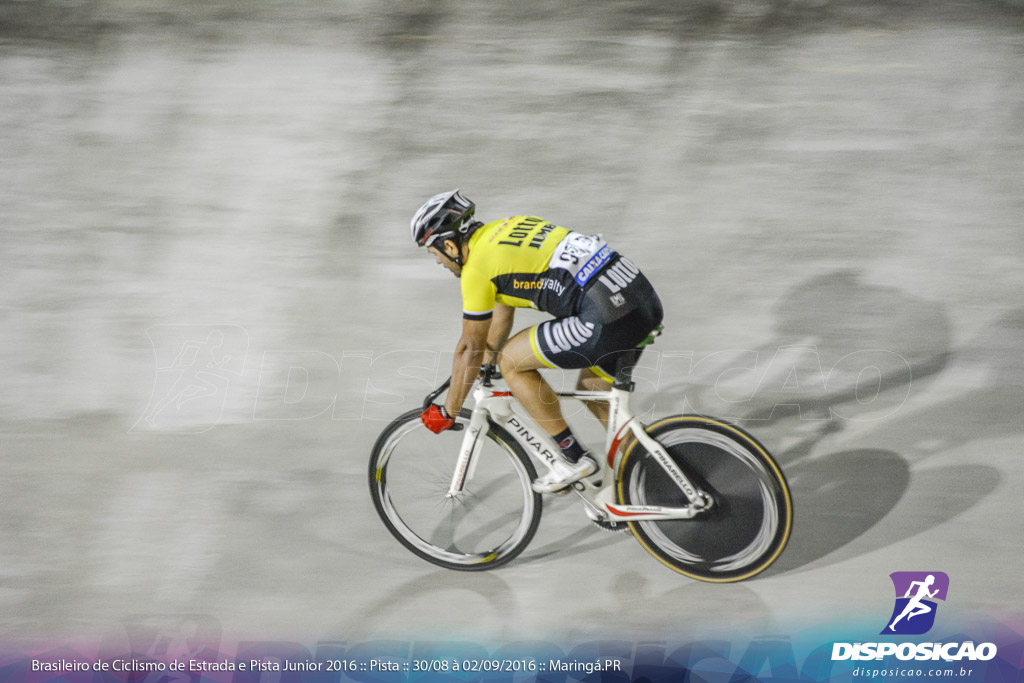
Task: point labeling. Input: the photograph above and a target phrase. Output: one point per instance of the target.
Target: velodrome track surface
(211, 305)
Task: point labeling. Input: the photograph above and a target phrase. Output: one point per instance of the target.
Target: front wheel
(751, 515)
(488, 524)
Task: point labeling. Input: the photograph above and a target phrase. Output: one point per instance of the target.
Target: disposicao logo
(914, 614)
(916, 593)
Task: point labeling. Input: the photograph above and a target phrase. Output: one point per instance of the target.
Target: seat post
(624, 370)
(627, 360)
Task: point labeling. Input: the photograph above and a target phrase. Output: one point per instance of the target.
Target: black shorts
(618, 312)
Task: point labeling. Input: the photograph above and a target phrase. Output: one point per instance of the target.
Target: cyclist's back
(577, 278)
(526, 261)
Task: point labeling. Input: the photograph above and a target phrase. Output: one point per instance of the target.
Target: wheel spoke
(489, 522)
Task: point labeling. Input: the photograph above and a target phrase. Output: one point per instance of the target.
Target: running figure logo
(916, 592)
(198, 368)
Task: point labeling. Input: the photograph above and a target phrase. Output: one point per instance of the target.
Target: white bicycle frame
(597, 491)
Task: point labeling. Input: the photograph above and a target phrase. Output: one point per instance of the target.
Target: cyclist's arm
(469, 356)
(501, 326)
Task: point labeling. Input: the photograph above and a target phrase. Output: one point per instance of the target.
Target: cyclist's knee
(510, 363)
(517, 356)
(505, 364)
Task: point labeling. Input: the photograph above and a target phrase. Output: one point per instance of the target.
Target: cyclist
(601, 303)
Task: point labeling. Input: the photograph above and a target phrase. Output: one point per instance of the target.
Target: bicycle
(701, 495)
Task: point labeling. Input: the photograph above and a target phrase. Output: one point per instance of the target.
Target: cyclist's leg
(520, 361)
(570, 343)
(520, 365)
(591, 380)
(597, 379)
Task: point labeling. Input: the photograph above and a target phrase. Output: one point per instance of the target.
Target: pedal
(577, 486)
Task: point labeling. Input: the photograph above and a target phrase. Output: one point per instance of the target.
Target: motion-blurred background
(210, 303)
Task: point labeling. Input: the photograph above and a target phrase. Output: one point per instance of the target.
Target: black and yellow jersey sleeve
(525, 261)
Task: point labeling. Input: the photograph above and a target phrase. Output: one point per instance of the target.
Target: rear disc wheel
(751, 516)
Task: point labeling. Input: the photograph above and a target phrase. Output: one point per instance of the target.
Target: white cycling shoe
(564, 473)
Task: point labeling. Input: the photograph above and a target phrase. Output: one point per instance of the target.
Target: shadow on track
(856, 502)
(412, 608)
(843, 350)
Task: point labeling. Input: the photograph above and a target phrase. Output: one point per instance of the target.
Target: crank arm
(592, 510)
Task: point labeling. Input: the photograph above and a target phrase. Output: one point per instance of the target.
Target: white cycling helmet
(446, 215)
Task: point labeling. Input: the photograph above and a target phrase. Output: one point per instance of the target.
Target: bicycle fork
(471, 445)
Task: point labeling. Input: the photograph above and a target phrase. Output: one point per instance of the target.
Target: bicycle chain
(613, 527)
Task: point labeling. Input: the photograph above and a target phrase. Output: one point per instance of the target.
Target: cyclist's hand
(437, 419)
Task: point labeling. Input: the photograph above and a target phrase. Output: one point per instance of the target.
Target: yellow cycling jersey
(525, 261)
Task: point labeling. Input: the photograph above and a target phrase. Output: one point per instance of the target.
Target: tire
(751, 517)
(487, 525)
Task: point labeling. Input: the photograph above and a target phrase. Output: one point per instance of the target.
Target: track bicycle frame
(597, 492)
